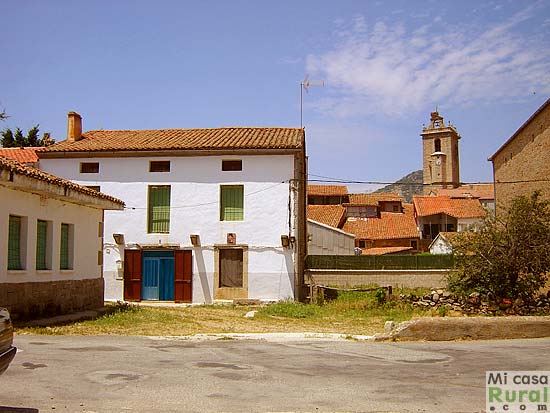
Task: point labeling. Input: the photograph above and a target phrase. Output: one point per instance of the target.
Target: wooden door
(132, 275)
(183, 276)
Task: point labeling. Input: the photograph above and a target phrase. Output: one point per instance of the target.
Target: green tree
(509, 256)
(7, 139)
(3, 115)
(17, 139)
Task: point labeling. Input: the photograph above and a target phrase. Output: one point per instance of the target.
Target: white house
(51, 242)
(211, 214)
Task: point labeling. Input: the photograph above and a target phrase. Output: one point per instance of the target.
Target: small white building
(51, 243)
(443, 243)
(326, 240)
(211, 214)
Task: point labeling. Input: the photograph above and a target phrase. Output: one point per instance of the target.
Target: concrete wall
(326, 240)
(526, 158)
(195, 209)
(395, 278)
(20, 289)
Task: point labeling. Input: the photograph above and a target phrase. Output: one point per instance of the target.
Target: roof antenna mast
(304, 84)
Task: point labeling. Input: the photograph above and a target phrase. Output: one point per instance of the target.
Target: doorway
(158, 276)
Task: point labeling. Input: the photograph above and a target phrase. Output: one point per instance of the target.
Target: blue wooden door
(158, 276)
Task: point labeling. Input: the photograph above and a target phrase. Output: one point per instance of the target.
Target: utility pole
(304, 84)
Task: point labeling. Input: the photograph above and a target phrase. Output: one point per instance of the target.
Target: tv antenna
(304, 85)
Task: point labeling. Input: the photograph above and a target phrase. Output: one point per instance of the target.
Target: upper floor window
(16, 243)
(43, 245)
(89, 167)
(159, 166)
(66, 247)
(232, 165)
(158, 211)
(232, 203)
(94, 187)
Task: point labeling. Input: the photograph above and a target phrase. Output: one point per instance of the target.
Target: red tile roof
(390, 225)
(480, 191)
(326, 214)
(230, 138)
(327, 190)
(22, 169)
(384, 250)
(454, 207)
(24, 155)
(373, 199)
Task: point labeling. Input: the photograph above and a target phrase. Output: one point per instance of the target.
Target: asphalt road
(140, 374)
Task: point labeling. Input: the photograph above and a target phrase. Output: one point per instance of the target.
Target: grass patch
(350, 313)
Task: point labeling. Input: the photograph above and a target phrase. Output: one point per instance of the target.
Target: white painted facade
(269, 210)
(440, 246)
(326, 240)
(86, 242)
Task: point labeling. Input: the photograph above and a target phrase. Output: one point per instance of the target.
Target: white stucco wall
(195, 205)
(440, 246)
(32, 207)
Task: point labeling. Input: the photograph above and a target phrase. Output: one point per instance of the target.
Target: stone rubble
(477, 304)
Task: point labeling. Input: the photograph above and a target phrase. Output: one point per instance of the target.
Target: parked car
(7, 351)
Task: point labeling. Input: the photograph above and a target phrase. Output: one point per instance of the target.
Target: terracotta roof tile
(384, 250)
(230, 138)
(480, 191)
(22, 169)
(327, 190)
(326, 214)
(454, 207)
(24, 155)
(373, 199)
(390, 225)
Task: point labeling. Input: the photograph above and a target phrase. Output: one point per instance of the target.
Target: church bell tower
(440, 155)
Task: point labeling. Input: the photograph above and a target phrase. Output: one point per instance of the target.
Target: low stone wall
(395, 278)
(39, 299)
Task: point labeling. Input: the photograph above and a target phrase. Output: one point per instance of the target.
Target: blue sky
(184, 64)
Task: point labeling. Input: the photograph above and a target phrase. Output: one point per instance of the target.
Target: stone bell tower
(440, 155)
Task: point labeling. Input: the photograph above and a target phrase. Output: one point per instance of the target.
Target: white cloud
(392, 70)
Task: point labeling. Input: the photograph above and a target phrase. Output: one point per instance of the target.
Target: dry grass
(351, 313)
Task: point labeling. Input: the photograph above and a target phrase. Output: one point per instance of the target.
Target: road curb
(467, 328)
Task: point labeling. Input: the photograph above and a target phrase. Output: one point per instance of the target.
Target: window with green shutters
(64, 257)
(41, 245)
(14, 243)
(232, 203)
(158, 214)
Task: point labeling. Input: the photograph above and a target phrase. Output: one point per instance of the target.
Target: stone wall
(395, 278)
(526, 158)
(34, 300)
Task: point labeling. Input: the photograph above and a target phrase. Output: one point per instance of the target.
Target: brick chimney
(74, 127)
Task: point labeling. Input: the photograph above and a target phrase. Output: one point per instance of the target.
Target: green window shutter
(64, 250)
(14, 243)
(159, 209)
(41, 241)
(232, 203)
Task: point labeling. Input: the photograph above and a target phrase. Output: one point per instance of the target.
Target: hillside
(407, 187)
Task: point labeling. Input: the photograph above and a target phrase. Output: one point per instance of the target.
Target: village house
(522, 164)
(381, 223)
(326, 194)
(211, 214)
(435, 214)
(52, 232)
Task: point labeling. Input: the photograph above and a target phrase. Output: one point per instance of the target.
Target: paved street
(118, 374)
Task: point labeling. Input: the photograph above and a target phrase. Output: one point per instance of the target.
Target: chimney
(74, 127)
